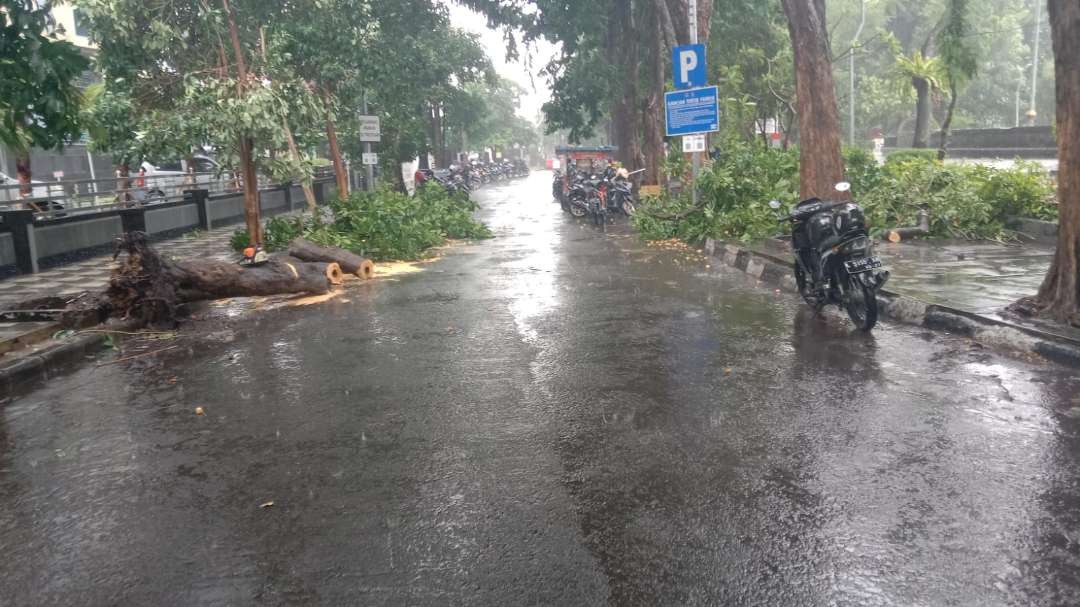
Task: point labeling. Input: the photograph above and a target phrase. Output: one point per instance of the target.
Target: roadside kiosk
(595, 157)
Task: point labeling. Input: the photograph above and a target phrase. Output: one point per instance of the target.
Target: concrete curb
(988, 331)
(47, 362)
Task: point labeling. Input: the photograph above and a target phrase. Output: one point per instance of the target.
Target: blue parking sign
(692, 111)
(688, 66)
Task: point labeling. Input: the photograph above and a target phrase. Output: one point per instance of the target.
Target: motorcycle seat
(807, 208)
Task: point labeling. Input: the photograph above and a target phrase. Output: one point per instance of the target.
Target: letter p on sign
(689, 66)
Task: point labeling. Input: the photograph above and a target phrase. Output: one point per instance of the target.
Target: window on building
(81, 29)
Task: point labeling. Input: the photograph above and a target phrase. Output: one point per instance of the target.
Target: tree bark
(149, 287)
(335, 150)
(350, 262)
(821, 165)
(1059, 297)
(294, 153)
(247, 158)
(922, 113)
(946, 126)
(654, 108)
(251, 191)
(623, 47)
(24, 175)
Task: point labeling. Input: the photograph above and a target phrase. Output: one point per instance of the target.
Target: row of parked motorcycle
(599, 196)
(464, 178)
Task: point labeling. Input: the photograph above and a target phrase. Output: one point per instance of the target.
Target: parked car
(39, 193)
(158, 179)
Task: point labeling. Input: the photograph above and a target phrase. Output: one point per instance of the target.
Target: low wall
(52, 242)
(1023, 142)
(166, 221)
(7, 255)
(65, 242)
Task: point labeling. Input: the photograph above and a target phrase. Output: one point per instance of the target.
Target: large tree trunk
(820, 164)
(1059, 297)
(24, 175)
(123, 183)
(922, 113)
(623, 47)
(247, 158)
(946, 126)
(294, 153)
(335, 150)
(251, 191)
(654, 108)
(150, 287)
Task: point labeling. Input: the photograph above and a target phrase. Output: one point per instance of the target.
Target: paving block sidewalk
(976, 277)
(93, 274)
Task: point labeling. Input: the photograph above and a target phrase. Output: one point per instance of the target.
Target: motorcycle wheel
(628, 207)
(577, 210)
(860, 301)
(805, 289)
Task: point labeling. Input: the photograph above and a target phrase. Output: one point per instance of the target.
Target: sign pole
(369, 182)
(692, 14)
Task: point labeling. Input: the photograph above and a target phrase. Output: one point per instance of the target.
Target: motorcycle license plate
(858, 266)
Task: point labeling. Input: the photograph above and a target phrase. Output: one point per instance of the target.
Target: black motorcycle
(834, 260)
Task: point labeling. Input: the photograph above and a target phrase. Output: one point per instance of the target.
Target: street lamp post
(851, 63)
(1035, 62)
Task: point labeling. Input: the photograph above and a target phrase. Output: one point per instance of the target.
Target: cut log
(149, 288)
(898, 234)
(332, 270)
(349, 262)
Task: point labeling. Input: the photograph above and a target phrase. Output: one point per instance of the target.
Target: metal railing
(64, 198)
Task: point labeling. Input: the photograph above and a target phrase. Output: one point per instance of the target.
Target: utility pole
(369, 170)
(1035, 61)
(692, 17)
(851, 60)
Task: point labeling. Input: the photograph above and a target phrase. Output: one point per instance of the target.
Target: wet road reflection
(557, 414)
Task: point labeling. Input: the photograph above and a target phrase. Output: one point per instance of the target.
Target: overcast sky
(536, 88)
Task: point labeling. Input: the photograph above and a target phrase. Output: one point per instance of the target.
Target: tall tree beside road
(820, 164)
(39, 106)
(959, 61)
(1059, 296)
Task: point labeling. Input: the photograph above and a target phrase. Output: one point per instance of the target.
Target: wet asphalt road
(551, 417)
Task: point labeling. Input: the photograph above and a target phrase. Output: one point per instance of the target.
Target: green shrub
(239, 240)
(381, 225)
(1022, 191)
(861, 170)
(734, 197)
(964, 201)
(910, 154)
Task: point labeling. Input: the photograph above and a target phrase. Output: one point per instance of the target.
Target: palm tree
(927, 75)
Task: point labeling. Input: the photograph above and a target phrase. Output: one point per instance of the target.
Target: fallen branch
(134, 356)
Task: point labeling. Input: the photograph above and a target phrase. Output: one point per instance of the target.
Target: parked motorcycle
(834, 260)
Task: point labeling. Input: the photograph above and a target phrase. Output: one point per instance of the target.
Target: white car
(9, 191)
(171, 177)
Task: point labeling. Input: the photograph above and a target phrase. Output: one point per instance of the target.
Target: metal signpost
(695, 108)
(370, 132)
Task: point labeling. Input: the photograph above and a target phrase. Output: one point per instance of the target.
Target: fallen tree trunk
(349, 262)
(149, 288)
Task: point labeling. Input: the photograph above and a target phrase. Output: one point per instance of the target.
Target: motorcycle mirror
(774, 204)
(843, 186)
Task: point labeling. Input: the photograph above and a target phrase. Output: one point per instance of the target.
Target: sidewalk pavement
(980, 278)
(93, 274)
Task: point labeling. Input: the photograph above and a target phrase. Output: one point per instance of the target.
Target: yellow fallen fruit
(200, 411)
